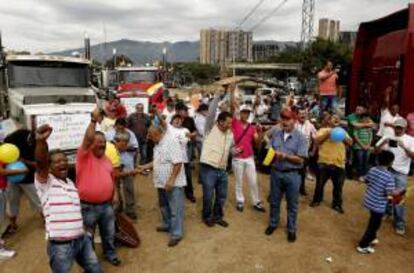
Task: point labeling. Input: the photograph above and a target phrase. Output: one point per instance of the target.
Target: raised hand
(43, 132)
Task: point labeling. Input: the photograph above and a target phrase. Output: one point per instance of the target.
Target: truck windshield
(48, 73)
(137, 76)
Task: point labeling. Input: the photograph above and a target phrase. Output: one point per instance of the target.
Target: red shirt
(327, 87)
(245, 143)
(94, 177)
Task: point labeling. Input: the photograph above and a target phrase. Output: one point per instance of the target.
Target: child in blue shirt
(381, 186)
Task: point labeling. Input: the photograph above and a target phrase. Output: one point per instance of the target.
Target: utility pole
(308, 14)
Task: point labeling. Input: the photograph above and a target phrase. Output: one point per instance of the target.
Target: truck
(134, 85)
(384, 58)
(44, 89)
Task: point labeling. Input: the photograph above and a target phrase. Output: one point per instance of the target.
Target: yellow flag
(269, 157)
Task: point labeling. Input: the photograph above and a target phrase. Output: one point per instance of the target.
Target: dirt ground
(242, 247)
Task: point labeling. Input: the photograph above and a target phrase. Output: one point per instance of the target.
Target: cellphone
(393, 143)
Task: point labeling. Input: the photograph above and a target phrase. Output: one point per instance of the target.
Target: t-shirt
(327, 87)
(246, 143)
(402, 161)
(386, 117)
(352, 119)
(61, 208)
(22, 139)
(94, 177)
(364, 135)
(380, 182)
(331, 153)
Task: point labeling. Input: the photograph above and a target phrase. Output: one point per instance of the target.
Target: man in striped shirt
(67, 240)
(381, 184)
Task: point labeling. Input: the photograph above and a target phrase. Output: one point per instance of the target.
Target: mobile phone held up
(393, 143)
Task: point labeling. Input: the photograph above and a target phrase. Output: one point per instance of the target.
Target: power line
(251, 12)
(270, 14)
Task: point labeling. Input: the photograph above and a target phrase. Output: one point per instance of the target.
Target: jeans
(102, 215)
(3, 218)
(127, 198)
(289, 184)
(337, 175)
(374, 225)
(143, 152)
(399, 210)
(15, 192)
(62, 255)
(172, 211)
(215, 185)
(246, 167)
(329, 103)
(189, 190)
(362, 161)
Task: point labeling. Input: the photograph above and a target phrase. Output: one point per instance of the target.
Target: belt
(63, 242)
(287, 170)
(94, 204)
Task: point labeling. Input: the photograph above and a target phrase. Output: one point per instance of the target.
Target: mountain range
(142, 52)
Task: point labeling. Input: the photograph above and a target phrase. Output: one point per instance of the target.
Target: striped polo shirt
(61, 208)
(380, 182)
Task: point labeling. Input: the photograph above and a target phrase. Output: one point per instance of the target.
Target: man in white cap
(245, 134)
(402, 146)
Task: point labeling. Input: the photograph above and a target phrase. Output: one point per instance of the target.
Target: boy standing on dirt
(381, 185)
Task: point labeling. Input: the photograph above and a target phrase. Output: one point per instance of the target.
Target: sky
(54, 25)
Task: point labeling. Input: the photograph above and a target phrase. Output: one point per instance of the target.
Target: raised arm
(96, 117)
(41, 153)
(211, 117)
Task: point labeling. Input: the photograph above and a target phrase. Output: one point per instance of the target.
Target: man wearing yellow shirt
(332, 158)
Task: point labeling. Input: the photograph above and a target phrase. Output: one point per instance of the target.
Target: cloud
(53, 25)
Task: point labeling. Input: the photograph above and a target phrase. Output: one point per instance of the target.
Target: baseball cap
(246, 108)
(400, 122)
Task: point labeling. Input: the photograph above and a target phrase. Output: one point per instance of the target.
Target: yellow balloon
(9, 153)
(112, 153)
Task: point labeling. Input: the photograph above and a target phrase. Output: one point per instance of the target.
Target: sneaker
(338, 209)
(375, 242)
(6, 254)
(240, 207)
(365, 250)
(258, 207)
(222, 223)
(400, 231)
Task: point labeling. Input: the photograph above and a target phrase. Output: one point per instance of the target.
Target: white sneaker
(400, 232)
(6, 254)
(365, 250)
(375, 242)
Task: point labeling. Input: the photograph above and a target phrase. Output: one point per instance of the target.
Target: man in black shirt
(188, 123)
(25, 141)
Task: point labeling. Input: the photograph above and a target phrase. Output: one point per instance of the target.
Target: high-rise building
(219, 46)
(329, 29)
(348, 37)
(262, 51)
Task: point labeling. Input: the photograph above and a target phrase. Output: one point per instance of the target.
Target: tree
(200, 73)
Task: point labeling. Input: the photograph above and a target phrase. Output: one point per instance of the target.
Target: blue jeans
(399, 210)
(102, 215)
(214, 192)
(362, 161)
(172, 211)
(289, 184)
(329, 103)
(62, 255)
(143, 152)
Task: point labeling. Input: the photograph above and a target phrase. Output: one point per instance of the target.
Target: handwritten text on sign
(68, 129)
(130, 104)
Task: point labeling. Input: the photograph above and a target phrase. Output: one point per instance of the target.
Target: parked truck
(36, 90)
(384, 57)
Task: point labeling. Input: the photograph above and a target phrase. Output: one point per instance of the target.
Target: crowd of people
(223, 135)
